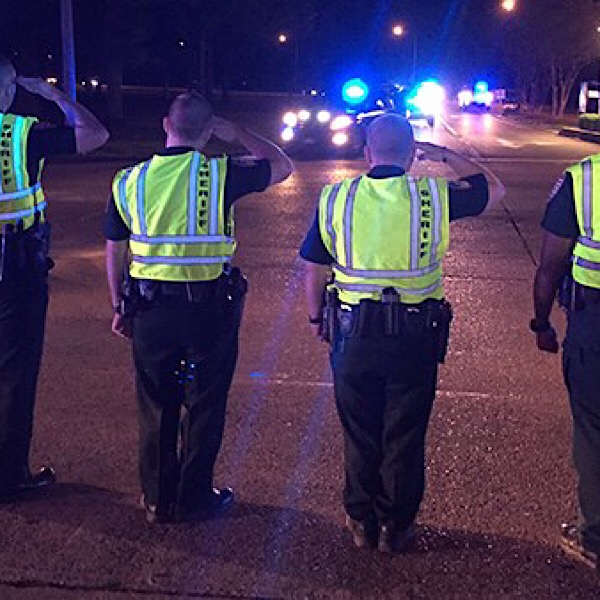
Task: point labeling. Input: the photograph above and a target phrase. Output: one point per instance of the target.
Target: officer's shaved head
(390, 140)
(190, 117)
(7, 83)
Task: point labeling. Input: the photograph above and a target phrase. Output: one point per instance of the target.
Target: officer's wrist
(117, 309)
(539, 325)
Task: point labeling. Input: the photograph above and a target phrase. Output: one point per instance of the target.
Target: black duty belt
(193, 291)
(374, 318)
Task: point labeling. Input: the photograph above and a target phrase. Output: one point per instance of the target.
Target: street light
(509, 5)
(283, 39)
(399, 31)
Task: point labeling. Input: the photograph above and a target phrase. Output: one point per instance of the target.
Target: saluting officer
(175, 214)
(384, 235)
(24, 238)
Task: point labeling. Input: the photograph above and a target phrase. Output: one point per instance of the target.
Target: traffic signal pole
(68, 49)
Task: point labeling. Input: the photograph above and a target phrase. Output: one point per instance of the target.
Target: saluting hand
(38, 86)
(224, 129)
(431, 152)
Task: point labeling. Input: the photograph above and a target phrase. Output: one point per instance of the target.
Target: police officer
(571, 247)
(24, 237)
(384, 235)
(175, 214)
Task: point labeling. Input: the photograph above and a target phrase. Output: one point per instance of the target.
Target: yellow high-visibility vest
(174, 208)
(586, 192)
(20, 198)
(390, 232)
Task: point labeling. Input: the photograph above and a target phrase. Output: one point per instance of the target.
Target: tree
(548, 46)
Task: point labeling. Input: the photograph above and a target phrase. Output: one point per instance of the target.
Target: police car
(315, 125)
(478, 99)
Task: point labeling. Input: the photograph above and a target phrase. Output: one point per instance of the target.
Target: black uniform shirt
(560, 218)
(464, 202)
(46, 141)
(241, 179)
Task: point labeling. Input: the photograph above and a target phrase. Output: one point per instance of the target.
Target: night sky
(456, 41)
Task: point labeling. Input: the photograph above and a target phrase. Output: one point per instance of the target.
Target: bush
(590, 122)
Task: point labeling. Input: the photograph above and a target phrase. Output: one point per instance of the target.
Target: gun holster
(132, 295)
(232, 285)
(22, 250)
(329, 321)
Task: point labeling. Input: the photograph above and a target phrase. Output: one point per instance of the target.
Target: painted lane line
(329, 385)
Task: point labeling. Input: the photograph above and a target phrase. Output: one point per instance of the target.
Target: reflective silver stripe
(192, 225)
(23, 213)
(20, 194)
(415, 221)
(373, 274)
(214, 197)
(181, 260)
(181, 239)
(17, 138)
(588, 243)
(436, 230)
(348, 220)
(587, 264)
(587, 192)
(372, 287)
(140, 195)
(329, 224)
(123, 195)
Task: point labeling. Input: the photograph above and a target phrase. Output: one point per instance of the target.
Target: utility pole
(68, 48)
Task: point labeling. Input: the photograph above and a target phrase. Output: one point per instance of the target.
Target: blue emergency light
(355, 91)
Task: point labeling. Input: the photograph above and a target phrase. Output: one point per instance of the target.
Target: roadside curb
(582, 134)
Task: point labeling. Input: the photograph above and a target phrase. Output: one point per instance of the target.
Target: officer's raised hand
(428, 151)
(89, 132)
(224, 130)
(39, 87)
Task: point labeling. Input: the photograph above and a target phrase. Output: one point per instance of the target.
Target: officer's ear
(166, 125)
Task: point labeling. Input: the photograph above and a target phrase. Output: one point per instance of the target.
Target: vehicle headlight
(303, 115)
(429, 98)
(323, 116)
(290, 119)
(287, 135)
(340, 138)
(340, 122)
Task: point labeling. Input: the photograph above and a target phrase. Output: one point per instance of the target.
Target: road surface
(500, 479)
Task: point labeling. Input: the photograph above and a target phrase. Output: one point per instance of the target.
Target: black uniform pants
(23, 307)
(581, 368)
(384, 390)
(182, 409)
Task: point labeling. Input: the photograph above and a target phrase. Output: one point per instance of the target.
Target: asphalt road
(500, 479)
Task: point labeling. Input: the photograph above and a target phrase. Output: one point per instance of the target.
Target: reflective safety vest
(586, 192)
(20, 198)
(390, 232)
(175, 209)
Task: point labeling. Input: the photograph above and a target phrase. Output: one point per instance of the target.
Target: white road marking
(508, 143)
(329, 385)
(524, 159)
